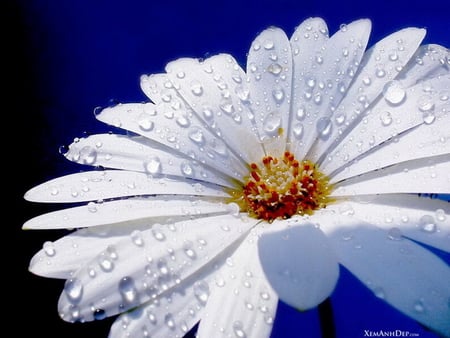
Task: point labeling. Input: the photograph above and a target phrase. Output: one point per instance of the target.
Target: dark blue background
(64, 58)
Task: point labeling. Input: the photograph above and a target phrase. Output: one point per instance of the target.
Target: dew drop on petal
(105, 263)
(238, 329)
(427, 224)
(73, 288)
(201, 292)
(268, 44)
(127, 290)
(183, 121)
(386, 118)
(186, 169)
(278, 95)
(196, 88)
(297, 130)
(49, 249)
(136, 238)
(145, 123)
(394, 93)
(395, 234)
(88, 155)
(169, 321)
(440, 215)
(275, 69)
(272, 124)
(99, 314)
(324, 127)
(196, 136)
(153, 165)
(419, 307)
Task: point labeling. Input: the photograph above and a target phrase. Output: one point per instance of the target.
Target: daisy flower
(232, 188)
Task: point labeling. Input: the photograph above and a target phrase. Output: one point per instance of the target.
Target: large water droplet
(394, 93)
(88, 155)
(49, 249)
(105, 263)
(170, 321)
(183, 121)
(272, 124)
(99, 314)
(196, 88)
(153, 165)
(268, 44)
(145, 122)
(238, 329)
(386, 118)
(278, 95)
(324, 127)
(196, 136)
(427, 224)
(128, 290)
(275, 69)
(201, 292)
(186, 169)
(297, 130)
(395, 234)
(73, 288)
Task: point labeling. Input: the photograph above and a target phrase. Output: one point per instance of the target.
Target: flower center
(281, 188)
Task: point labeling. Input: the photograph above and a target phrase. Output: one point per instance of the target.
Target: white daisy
(233, 188)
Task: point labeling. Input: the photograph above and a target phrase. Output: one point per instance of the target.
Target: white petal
(176, 311)
(428, 62)
(380, 64)
(322, 86)
(425, 140)
(299, 262)
(154, 86)
(62, 258)
(401, 272)
(216, 90)
(101, 185)
(417, 105)
(269, 71)
(173, 127)
(127, 210)
(242, 303)
(309, 38)
(428, 175)
(422, 219)
(138, 154)
(142, 267)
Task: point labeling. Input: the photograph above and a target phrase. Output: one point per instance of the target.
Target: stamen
(281, 188)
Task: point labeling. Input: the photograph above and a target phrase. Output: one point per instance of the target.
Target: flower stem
(326, 319)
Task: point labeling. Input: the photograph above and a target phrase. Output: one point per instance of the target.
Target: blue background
(64, 58)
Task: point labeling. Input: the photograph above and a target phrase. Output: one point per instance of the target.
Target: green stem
(326, 319)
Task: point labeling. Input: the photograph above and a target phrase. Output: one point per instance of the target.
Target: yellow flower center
(281, 188)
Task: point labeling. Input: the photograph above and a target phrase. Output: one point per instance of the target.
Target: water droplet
(243, 93)
(73, 288)
(324, 127)
(394, 93)
(99, 314)
(419, 307)
(183, 121)
(379, 292)
(300, 113)
(297, 130)
(208, 113)
(272, 124)
(395, 234)
(268, 44)
(256, 46)
(427, 224)
(145, 122)
(188, 249)
(162, 267)
(340, 118)
(311, 82)
(278, 95)
(136, 238)
(201, 292)
(440, 215)
(380, 72)
(275, 69)
(367, 81)
(169, 320)
(88, 155)
(151, 317)
(196, 136)
(186, 169)
(153, 165)
(196, 88)
(159, 236)
(386, 118)
(49, 249)
(181, 75)
(128, 290)
(105, 263)
(238, 329)
(343, 27)
(264, 295)
(92, 207)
